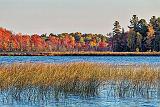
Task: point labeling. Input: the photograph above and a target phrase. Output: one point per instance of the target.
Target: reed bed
(42, 81)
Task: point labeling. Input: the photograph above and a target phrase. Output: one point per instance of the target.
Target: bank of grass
(80, 53)
(79, 78)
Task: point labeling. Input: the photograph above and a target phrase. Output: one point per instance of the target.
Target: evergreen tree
(134, 23)
(133, 38)
(123, 41)
(138, 42)
(142, 28)
(44, 36)
(155, 22)
(116, 36)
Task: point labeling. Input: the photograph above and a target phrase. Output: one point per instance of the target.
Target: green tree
(134, 23)
(139, 27)
(44, 36)
(138, 41)
(142, 28)
(116, 36)
(133, 35)
(131, 40)
(123, 41)
(155, 22)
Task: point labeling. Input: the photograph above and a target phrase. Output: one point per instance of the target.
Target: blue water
(101, 59)
(104, 99)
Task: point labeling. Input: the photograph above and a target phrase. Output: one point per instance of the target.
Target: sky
(86, 16)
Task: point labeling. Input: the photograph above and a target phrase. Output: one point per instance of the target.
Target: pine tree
(134, 23)
(143, 29)
(123, 41)
(116, 36)
(138, 41)
(156, 27)
(139, 29)
(133, 38)
(153, 22)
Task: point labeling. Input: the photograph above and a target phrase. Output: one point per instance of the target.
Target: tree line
(48, 43)
(141, 37)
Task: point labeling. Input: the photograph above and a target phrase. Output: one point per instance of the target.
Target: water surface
(106, 97)
(100, 59)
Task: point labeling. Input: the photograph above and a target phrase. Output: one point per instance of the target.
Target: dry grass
(74, 78)
(80, 53)
(37, 74)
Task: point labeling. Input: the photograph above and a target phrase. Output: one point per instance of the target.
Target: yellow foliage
(151, 31)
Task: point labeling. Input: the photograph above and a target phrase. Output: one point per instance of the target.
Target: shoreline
(79, 53)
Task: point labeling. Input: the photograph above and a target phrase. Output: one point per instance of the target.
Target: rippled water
(105, 97)
(104, 59)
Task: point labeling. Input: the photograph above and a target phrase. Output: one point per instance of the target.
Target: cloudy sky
(57, 16)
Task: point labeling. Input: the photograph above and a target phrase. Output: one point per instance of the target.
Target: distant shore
(79, 53)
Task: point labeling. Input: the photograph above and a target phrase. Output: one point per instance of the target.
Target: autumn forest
(142, 36)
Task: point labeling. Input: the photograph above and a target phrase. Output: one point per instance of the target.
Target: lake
(106, 96)
(97, 59)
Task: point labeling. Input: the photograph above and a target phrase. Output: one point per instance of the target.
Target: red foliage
(5, 37)
(102, 44)
(53, 40)
(62, 42)
(37, 43)
(15, 42)
(26, 42)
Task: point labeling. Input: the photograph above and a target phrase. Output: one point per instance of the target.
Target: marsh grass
(37, 82)
(80, 53)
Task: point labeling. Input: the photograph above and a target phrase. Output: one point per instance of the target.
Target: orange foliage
(102, 44)
(37, 42)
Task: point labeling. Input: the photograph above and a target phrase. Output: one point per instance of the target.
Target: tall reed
(39, 81)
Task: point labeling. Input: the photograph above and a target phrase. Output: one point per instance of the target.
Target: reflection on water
(112, 93)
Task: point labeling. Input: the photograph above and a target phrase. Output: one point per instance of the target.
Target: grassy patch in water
(39, 81)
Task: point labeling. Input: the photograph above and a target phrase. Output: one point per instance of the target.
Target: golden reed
(81, 78)
(37, 74)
